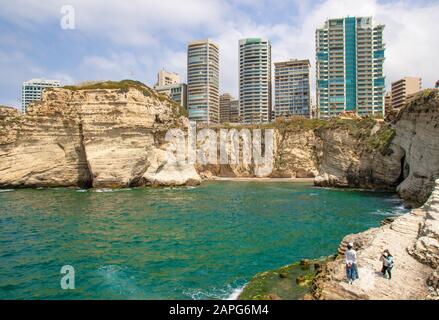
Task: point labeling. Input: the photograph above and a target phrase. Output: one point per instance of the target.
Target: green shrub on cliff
(123, 86)
(358, 128)
(382, 139)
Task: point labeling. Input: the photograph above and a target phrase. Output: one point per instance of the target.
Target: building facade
(387, 103)
(349, 67)
(169, 83)
(203, 81)
(177, 92)
(234, 111)
(292, 88)
(225, 107)
(255, 87)
(166, 78)
(32, 90)
(403, 89)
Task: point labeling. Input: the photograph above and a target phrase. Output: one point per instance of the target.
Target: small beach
(255, 179)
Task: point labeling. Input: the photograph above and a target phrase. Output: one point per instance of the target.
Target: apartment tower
(203, 81)
(349, 67)
(255, 80)
(292, 88)
(403, 89)
(169, 83)
(387, 103)
(234, 111)
(32, 90)
(225, 107)
(165, 78)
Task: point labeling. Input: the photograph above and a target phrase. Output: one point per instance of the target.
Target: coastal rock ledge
(413, 239)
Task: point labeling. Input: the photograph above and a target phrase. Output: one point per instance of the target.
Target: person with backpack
(387, 260)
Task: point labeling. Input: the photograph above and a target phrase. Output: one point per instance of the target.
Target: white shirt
(351, 256)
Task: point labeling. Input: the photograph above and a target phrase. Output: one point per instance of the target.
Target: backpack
(390, 261)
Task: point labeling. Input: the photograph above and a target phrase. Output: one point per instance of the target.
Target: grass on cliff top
(358, 128)
(7, 107)
(124, 86)
(382, 139)
(420, 98)
(301, 123)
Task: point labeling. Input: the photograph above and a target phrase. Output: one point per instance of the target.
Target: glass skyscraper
(349, 67)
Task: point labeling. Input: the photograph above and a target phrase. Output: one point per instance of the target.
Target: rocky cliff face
(359, 154)
(100, 136)
(294, 156)
(400, 155)
(417, 134)
(355, 153)
(112, 135)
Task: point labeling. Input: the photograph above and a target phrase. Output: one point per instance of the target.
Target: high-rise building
(225, 107)
(169, 83)
(292, 88)
(32, 90)
(234, 111)
(177, 92)
(349, 67)
(388, 103)
(203, 81)
(403, 89)
(165, 78)
(255, 80)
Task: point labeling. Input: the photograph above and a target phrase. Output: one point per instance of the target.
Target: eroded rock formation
(114, 137)
(94, 137)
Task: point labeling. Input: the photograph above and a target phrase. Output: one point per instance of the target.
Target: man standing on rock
(351, 263)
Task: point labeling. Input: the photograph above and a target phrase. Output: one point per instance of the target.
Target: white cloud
(147, 35)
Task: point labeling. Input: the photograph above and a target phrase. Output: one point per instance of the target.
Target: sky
(119, 39)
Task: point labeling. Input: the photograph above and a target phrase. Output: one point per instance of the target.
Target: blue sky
(116, 39)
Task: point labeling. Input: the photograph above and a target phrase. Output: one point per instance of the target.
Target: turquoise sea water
(201, 242)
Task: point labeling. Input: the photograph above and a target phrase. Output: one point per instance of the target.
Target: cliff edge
(102, 135)
(413, 240)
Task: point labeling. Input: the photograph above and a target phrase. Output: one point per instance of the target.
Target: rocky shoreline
(413, 240)
(112, 135)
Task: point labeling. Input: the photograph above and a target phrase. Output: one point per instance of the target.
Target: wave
(397, 211)
(120, 282)
(108, 190)
(235, 293)
(7, 190)
(228, 293)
